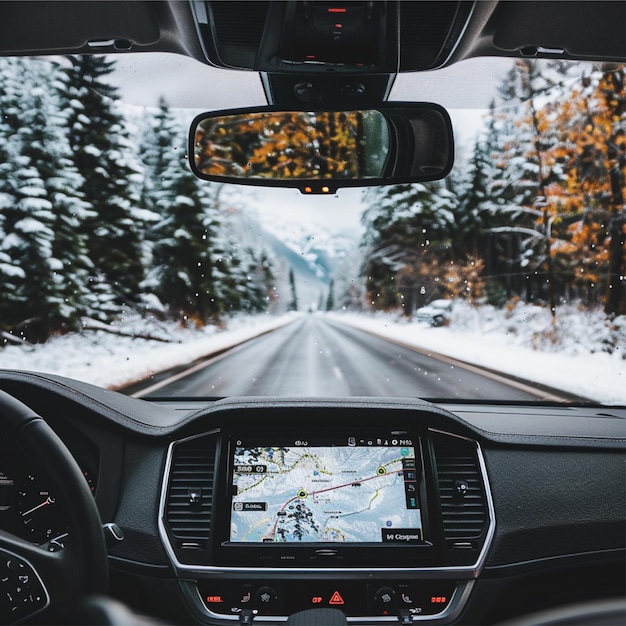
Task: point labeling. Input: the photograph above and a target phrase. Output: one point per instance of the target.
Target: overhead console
(316, 51)
(379, 520)
(357, 36)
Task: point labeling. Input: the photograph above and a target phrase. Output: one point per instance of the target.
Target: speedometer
(42, 514)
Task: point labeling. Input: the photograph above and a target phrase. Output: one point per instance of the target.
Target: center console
(386, 522)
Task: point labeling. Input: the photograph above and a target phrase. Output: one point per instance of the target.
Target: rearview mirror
(320, 151)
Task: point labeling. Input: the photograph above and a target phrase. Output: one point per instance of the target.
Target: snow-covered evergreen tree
(106, 158)
(293, 293)
(190, 270)
(330, 299)
(519, 193)
(11, 269)
(41, 220)
(408, 231)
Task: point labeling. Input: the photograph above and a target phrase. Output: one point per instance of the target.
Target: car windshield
(120, 268)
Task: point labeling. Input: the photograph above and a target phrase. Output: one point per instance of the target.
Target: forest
(99, 211)
(536, 215)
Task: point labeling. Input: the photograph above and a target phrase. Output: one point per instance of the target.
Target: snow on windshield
(116, 264)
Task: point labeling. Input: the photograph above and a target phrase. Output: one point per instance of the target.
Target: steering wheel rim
(79, 569)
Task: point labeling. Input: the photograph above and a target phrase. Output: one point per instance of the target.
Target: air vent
(461, 489)
(189, 502)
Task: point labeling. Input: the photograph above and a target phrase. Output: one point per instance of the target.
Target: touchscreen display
(358, 490)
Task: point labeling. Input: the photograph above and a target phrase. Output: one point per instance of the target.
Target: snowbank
(113, 361)
(585, 355)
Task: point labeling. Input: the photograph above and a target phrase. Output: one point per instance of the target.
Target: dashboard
(250, 510)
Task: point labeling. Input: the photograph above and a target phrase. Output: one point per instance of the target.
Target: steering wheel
(33, 580)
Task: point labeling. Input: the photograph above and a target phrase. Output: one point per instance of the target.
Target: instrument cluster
(29, 504)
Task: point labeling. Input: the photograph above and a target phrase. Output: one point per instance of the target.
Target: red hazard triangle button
(336, 599)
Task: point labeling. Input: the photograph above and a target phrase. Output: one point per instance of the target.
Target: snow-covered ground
(585, 355)
(108, 360)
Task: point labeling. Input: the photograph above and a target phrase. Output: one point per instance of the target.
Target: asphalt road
(316, 357)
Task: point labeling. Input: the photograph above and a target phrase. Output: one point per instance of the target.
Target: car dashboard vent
(461, 491)
(189, 503)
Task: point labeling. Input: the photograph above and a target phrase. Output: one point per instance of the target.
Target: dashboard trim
(461, 571)
(455, 606)
(465, 575)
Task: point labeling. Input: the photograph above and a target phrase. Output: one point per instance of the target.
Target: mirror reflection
(294, 145)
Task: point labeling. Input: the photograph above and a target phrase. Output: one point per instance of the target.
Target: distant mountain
(312, 252)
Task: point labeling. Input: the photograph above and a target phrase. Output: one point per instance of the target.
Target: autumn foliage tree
(592, 154)
(287, 145)
(560, 181)
(539, 215)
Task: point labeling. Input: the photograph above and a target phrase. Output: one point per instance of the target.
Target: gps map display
(358, 493)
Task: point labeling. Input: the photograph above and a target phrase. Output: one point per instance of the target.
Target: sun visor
(30, 27)
(544, 28)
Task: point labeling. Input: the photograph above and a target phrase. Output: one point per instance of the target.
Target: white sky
(338, 212)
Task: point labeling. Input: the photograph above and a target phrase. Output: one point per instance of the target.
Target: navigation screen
(362, 490)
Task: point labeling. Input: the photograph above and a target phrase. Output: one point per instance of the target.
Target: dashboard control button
(266, 598)
(385, 598)
(336, 599)
(21, 591)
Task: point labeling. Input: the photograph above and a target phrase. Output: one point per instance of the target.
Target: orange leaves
(590, 155)
(466, 280)
(291, 145)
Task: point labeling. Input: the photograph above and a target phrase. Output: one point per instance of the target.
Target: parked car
(435, 313)
(182, 442)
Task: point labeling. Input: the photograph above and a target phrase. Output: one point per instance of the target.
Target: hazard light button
(336, 599)
(345, 597)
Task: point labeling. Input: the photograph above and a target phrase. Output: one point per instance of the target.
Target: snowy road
(317, 357)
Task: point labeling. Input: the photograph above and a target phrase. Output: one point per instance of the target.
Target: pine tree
(530, 174)
(41, 222)
(330, 300)
(105, 156)
(293, 300)
(11, 269)
(472, 241)
(190, 272)
(408, 232)
(257, 282)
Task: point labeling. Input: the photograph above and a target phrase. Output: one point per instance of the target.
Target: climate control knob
(266, 599)
(385, 598)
